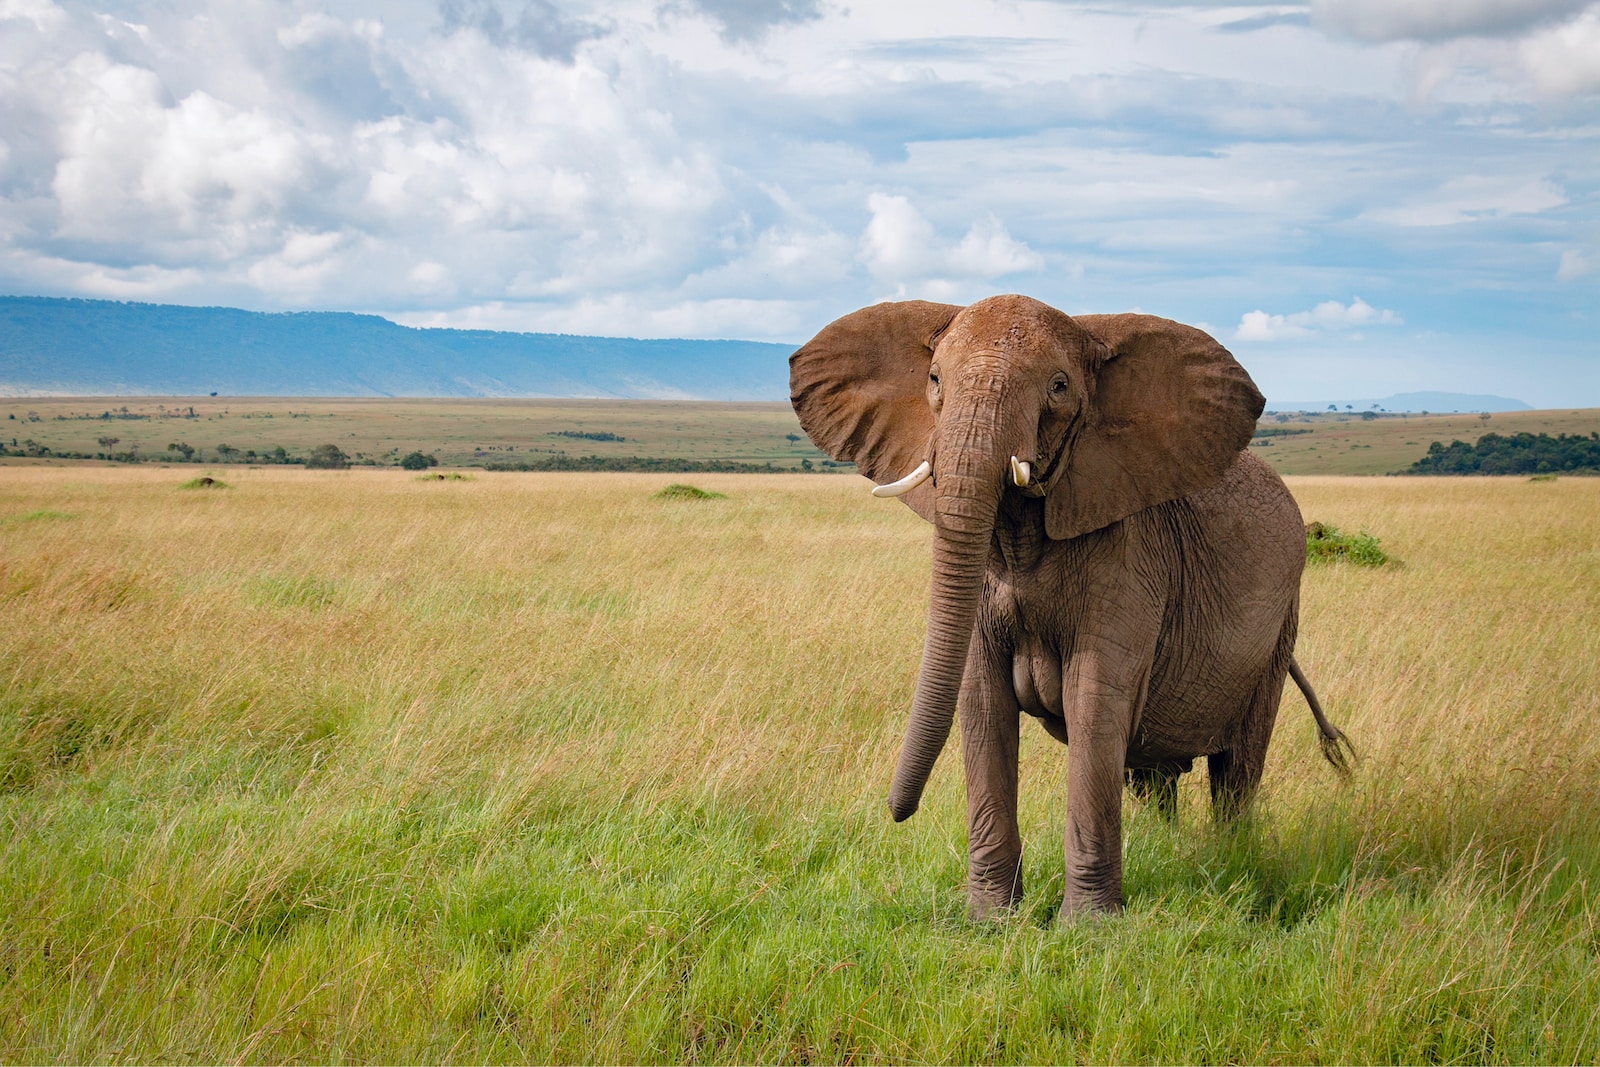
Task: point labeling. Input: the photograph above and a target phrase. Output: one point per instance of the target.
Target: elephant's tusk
(1021, 473)
(906, 484)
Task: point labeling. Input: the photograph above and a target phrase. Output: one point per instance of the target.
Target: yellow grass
(353, 766)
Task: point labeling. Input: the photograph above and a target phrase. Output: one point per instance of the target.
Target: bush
(206, 482)
(1325, 544)
(328, 458)
(416, 461)
(678, 491)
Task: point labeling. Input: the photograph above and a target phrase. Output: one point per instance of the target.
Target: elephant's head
(951, 408)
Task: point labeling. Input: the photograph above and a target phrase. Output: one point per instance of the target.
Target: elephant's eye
(1058, 387)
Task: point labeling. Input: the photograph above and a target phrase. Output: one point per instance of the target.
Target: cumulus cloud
(899, 245)
(1565, 60)
(1328, 316)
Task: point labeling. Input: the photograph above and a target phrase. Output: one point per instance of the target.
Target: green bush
(416, 461)
(1325, 544)
(205, 482)
(328, 458)
(678, 491)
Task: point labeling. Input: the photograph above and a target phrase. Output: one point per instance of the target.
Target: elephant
(1107, 557)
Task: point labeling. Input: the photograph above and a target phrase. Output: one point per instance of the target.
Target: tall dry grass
(349, 766)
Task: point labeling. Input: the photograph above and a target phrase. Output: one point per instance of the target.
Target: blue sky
(1358, 197)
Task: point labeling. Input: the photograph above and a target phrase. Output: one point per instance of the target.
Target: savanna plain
(348, 766)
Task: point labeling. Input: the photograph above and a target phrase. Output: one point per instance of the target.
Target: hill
(63, 347)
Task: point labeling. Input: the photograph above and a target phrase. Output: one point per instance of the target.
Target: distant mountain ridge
(1435, 402)
(52, 346)
(72, 347)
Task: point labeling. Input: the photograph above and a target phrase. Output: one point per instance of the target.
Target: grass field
(348, 766)
(466, 433)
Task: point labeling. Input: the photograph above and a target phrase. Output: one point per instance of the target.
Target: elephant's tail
(1336, 747)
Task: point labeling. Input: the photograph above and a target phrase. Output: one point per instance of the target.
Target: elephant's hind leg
(1236, 770)
(1159, 784)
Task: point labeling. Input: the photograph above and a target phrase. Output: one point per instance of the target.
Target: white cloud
(1389, 20)
(1474, 197)
(1565, 60)
(1574, 264)
(42, 13)
(899, 245)
(1328, 316)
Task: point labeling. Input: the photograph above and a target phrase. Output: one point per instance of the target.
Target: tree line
(1521, 453)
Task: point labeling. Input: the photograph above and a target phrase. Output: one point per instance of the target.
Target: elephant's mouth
(1040, 476)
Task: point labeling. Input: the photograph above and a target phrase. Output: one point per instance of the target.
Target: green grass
(205, 481)
(337, 768)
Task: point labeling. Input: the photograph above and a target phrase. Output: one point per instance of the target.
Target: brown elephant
(1107, 557)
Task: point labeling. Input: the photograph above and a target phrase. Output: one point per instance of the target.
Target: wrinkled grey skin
(1139, 597)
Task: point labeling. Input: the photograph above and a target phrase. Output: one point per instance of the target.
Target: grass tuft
(43, 515)
(1325, 544)
(679, 491)
(444, 476)
(205, 481)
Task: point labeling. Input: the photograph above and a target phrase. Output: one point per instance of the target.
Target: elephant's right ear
(860, 388)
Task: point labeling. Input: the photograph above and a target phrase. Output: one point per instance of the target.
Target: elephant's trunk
(968, 484)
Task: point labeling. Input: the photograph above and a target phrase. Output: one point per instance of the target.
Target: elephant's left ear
(1169, 411)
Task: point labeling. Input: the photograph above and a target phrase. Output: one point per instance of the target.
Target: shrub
(328, 458)
(416, 461)
(1325, 544)
(679, 491)
(206, 482)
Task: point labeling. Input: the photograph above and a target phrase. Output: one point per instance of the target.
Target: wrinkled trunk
(969, 480)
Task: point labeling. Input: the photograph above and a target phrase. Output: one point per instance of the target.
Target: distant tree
(1368, 416)
(416, 461)
(805, 464)
(108, 442)
(278, 455)
(1483, 416)
(228, 453)
(1333, 407)
(792, 438)
(328, 457)
(182, 448)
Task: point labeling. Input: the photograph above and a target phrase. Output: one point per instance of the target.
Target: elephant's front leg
(1100, 711)
(989, 725)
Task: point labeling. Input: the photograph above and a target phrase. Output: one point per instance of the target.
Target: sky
(1357, 197)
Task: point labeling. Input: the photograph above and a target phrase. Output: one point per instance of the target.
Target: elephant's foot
(1082, 904)
(982, 906)
(993, 892)
(1092, 888)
